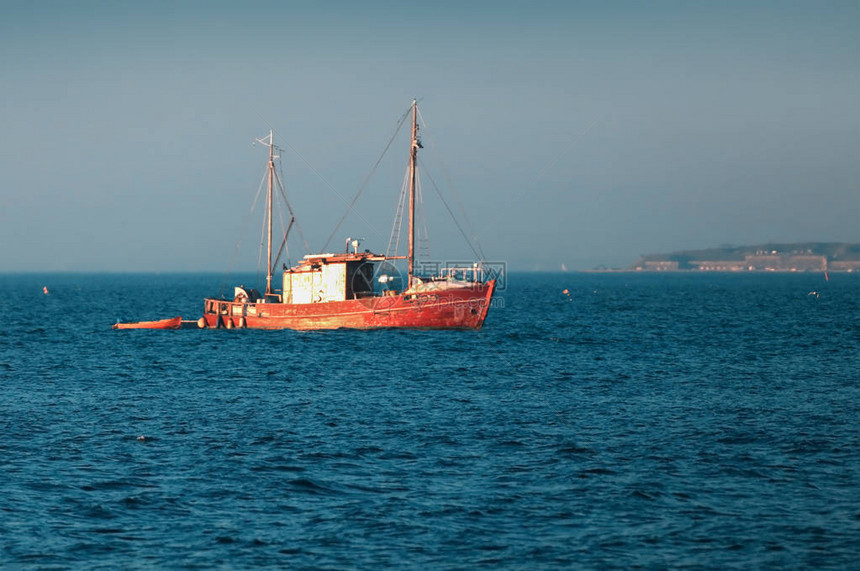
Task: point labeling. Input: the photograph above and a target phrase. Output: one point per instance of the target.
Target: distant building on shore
(718, 265)
(786, 263)
(810, 257)
(661, 266)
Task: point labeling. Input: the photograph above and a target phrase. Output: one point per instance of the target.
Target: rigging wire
(310, 166)
(278, 175)
(394, 239)
(290, 207)
(339, 195)
(454, 218)
(284, 244)
(262, 243)
(238, 246)
(283, 225)
(367, 179)
(455, 194)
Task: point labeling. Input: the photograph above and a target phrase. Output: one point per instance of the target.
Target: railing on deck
(474, 273)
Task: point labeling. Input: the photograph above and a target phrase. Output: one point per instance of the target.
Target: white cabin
(323, 278)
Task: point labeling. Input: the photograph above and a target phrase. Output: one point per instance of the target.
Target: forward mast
(269, 142)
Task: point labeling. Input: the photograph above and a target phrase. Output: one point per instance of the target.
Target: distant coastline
(793, 257)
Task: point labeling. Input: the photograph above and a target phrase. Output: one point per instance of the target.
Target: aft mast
(413, 154)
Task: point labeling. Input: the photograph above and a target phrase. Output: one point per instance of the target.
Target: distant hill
(841, 252)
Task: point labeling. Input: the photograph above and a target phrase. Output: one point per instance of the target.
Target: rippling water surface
(655, 420)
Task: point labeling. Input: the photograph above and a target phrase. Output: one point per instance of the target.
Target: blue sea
(639, 420)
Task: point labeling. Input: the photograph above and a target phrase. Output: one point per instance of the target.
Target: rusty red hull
(462, 308)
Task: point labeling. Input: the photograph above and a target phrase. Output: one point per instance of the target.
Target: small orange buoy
(565, 292)
(45, 290)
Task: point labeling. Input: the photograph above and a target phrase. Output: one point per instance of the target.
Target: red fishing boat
(355, 289)
(172, 323)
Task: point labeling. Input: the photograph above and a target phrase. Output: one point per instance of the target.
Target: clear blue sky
(581, 133)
